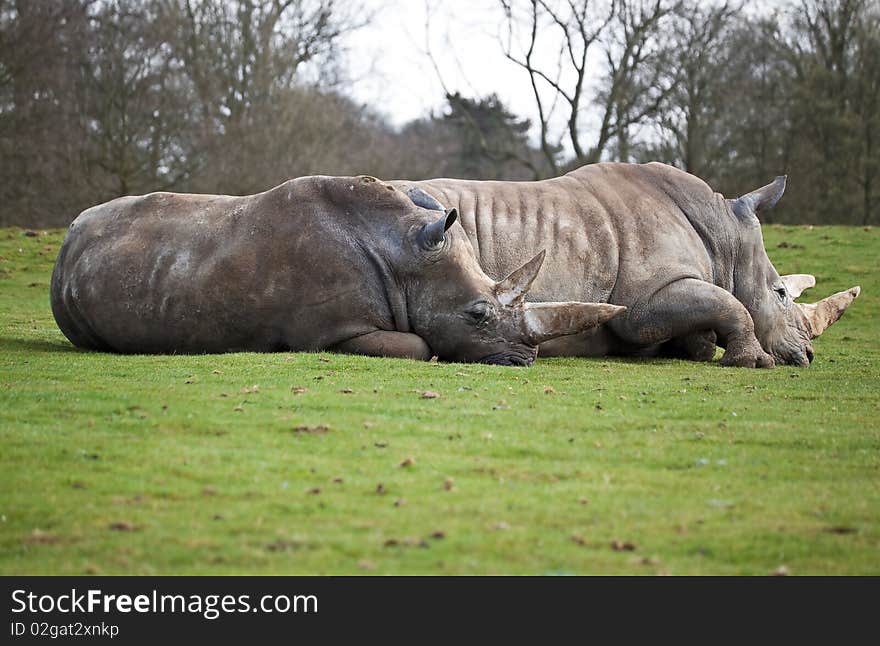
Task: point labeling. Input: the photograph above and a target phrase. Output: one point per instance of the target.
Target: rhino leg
(687, 307)
(699, 346)
(402, 345)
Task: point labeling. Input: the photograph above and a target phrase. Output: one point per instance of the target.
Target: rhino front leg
(381, 343)
(690, 307)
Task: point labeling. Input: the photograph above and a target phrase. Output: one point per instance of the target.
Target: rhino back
(508, 223)
(613, 232)
(194, 273)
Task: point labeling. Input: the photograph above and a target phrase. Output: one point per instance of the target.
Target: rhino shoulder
(94, 220)
(677, 183)
(359, 193)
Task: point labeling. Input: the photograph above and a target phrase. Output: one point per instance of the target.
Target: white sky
(394, 75)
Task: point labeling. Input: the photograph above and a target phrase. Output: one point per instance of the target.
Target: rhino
(346, 264)
(688, 264)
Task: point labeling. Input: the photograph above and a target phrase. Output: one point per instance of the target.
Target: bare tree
(628, 34)
(244, 60)
(867, 101)
(239, 52)
(41, 45)
(701, 71)
(831, 49)
(135, 104)
(637, 52)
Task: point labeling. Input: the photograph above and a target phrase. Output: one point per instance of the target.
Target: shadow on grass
(628, 359)
(13, 344)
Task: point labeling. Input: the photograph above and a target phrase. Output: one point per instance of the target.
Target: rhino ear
(766, 197)
(545, 321)
(512, 290)
(423, 200)
(797, 284)
(433, 235)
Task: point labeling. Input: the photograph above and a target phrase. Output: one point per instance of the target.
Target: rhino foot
(751, 355)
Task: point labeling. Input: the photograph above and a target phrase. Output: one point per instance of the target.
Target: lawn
(328, 464)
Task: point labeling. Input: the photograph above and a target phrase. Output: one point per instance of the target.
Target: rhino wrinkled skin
(689, 265)
(347, 264)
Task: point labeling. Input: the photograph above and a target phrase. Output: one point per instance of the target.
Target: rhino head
(464, 315)
(784, 327)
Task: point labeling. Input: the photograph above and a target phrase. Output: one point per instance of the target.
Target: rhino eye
(479, 312)
(781, 293)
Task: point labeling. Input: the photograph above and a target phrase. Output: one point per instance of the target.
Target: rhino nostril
(809, 352)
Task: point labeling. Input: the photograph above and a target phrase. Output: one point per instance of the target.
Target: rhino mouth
(800, 359)
(511, 358)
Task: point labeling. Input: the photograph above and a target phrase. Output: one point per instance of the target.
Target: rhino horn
(825, 313)
(433, 235)
(423, 200)
(765, 197)
(545, 321)
(797, 284)
(512, 290)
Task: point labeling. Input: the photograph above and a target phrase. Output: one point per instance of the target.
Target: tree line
(101, 98)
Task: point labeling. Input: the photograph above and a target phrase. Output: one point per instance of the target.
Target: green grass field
(327, 464)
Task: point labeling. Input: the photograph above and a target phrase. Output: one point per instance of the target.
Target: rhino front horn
(512, 290)
(825, 313)
(545, 321)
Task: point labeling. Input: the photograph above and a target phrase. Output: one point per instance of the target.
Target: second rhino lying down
(348, 264)
(689, 265)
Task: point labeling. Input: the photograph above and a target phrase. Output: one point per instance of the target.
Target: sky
(393, 73)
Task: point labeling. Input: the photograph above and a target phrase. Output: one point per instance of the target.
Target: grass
(193, 464)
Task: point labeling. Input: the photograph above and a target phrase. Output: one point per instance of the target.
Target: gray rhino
(347, 264)
(689, 265)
